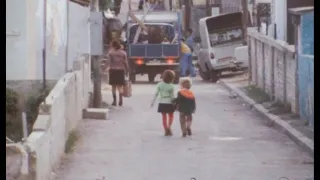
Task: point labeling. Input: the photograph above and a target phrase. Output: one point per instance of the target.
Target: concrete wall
(24, 41)
(273, 68)
(16, 33)
(58, 117)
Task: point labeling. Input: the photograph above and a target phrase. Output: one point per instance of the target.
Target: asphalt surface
(230, 142)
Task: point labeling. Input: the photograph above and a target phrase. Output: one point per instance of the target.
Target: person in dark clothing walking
(186, 105)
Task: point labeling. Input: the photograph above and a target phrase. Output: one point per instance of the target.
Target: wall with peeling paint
(306, 68)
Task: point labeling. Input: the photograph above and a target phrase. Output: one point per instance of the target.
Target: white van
(220, 36)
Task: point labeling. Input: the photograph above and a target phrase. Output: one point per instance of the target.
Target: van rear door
(225, 33)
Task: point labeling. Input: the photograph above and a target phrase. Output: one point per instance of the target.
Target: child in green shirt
(165, 92)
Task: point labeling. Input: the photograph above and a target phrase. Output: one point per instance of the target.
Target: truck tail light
(211, 55)
(139, 61)
(170, 61)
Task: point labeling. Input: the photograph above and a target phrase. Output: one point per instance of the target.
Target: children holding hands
(184, 103)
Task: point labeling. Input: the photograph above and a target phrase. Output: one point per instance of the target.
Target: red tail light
(170, 61)
(211, 55)
(139, 61)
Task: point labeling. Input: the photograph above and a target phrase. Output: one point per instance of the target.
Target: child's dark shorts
(166, 108)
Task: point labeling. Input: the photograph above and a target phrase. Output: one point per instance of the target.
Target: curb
(301, 140)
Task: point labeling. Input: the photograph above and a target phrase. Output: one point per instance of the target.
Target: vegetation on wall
(13, 115)
(14, 109)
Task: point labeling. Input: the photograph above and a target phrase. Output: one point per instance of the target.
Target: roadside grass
(260, 97)
(256, 94)
(71, 142)
(279, 108)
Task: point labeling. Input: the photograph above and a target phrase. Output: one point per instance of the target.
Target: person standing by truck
(189, 40)
(186, 60)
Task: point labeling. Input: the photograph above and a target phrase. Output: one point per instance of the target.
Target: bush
(32, 107)
(13, 115)
(14, 112)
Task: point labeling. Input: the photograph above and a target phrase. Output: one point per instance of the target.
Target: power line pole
(244, 4)
(208, 8)
(95, 59)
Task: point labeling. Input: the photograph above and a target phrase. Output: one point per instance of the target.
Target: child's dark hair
(168, 76)
(185, 83)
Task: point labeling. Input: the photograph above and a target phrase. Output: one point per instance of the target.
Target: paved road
(230, 142)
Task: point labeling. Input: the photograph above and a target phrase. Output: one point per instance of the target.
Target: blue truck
(158, 45)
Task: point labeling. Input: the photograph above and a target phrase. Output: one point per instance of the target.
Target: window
(226, 36)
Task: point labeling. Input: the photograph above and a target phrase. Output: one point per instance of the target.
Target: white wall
(273, 68)
(58, 117)
(279, 17)
(79, 39)
(24, 52)
(16, 47)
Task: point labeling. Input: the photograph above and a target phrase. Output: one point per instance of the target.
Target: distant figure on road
(186, 105)
(117, 64)
(186, 60)
(165, 91)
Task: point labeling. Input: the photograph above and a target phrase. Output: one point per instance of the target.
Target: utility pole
(245, 19)
(208, 8)
(254, 13)
(95, 60)
(188, 14)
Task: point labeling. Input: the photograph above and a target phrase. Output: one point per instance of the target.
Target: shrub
(14, 112)
(13, 115)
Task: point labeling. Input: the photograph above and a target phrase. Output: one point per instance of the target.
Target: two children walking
(168, 103)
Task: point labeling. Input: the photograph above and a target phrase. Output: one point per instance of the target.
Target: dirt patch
(279, 108)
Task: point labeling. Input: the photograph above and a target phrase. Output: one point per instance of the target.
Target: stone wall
(59, 115)
(273, 68)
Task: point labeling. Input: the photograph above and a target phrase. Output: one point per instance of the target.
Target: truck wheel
(204, 75)
(132, 78)
(151, 77)
(214, 76)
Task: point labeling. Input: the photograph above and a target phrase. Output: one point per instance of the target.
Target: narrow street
(230, 142)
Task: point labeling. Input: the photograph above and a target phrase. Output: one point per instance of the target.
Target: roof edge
(82, 2)
(301, 10)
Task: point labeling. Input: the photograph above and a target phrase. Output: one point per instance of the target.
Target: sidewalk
(286, 123)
